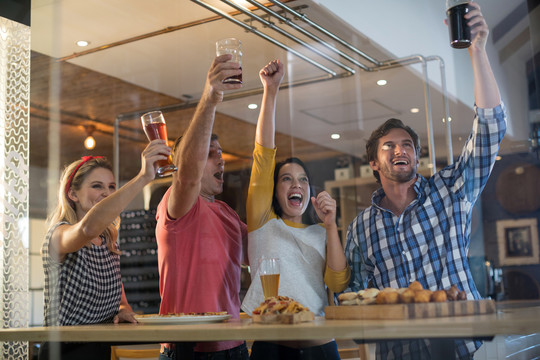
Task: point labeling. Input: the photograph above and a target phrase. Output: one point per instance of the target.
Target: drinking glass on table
(269, 273)
(234, 47)
(155, 128)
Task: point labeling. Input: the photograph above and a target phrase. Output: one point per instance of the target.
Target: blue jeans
(261, 350)
(184, 351)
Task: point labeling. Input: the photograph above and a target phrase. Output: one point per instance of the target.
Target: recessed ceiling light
(252, 106)
(415, 110)
(381, 82)
(83, 43)
(335, 136)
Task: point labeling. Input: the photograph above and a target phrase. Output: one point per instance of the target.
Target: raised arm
(193, 149)
(70, 238)
(486, 90)
(271, 76)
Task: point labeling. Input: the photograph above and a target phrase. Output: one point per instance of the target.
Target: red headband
(84, 159)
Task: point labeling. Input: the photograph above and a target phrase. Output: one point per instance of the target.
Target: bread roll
(388, 297)
(347, 296)
(438, 296)
(415, 285)
(407, 296)
(452, 293)
(370, 293)
(422, 296)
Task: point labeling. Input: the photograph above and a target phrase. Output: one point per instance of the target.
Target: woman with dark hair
(309, 217)
(311, 255)
(80, 253)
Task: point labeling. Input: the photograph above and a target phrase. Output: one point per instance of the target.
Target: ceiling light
(415, 110)
(335, 136)
(499, 157)
(89, 142)
(83, 43)
(381, 82)
(252, 106)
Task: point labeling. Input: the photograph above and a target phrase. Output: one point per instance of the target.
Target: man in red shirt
(200, 239)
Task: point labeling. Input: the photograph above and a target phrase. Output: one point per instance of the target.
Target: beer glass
(155, 128)
(234, 47)
(269, 273)
(460, 32)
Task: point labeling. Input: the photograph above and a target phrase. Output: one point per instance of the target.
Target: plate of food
(187, 318)
(281, 310)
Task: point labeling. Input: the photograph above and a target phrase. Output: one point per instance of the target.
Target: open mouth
(400, 162)
(219, 175)
(295, 199)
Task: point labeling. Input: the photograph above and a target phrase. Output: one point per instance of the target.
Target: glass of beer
(269, 273)
(155, 128)
(234, 47)
(460, 32)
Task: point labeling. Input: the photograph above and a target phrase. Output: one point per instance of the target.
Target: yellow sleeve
(337, 281)
(261, 187)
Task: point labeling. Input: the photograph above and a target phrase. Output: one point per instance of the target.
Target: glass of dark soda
(460, 32)
(234, 47)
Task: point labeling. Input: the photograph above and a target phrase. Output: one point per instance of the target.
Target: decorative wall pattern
(14, 172)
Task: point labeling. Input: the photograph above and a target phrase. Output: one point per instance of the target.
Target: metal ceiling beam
(272, 26)
(266, 37)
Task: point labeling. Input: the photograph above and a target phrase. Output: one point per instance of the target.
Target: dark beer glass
(460, 32)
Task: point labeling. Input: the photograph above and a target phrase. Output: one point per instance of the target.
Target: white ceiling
(175, 64)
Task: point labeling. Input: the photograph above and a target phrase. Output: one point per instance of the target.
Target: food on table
(415, 285)
(422, 296)
(279, 305)
(209, 313)
(452, 293)
(281, 310)
(414, 293)
(438, 296)
(388, 296)
(362, 297)
(406, 296)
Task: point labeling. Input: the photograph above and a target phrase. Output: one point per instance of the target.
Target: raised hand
(325, 207)
(272, 74)
(478, 25)
(220, 69)
(154, 151)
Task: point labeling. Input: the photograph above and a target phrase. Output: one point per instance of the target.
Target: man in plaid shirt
(419, 229)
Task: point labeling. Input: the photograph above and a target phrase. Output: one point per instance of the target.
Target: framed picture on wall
(518, 242)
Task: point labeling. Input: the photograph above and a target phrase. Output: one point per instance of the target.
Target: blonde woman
(80, 254)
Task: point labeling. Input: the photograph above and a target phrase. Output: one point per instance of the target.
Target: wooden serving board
(284, 318)
(410, 311)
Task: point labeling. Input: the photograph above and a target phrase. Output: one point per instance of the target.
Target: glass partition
(348, 68)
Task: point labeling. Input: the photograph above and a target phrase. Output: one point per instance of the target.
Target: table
(507, 321)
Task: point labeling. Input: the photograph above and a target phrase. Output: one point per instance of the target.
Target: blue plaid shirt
(430, 240)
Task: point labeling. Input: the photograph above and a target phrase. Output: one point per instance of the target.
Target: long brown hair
(65, 209)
